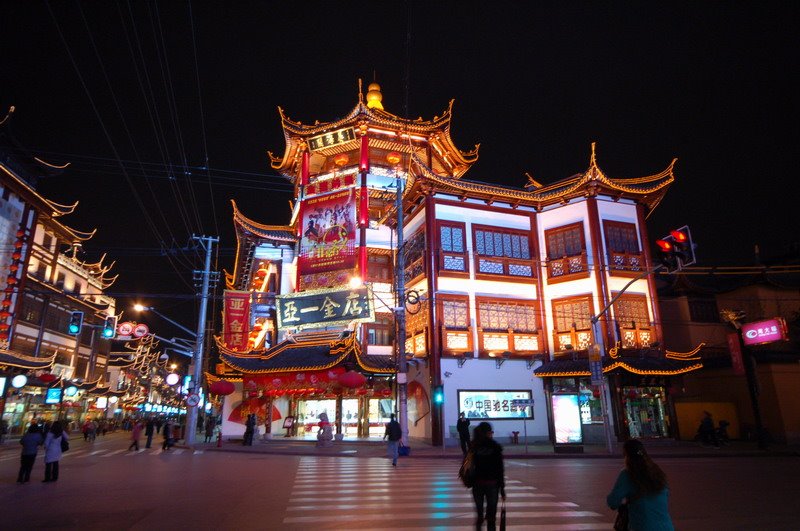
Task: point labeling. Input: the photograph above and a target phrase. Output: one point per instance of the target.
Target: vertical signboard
(737, 362)
(236, 319)
(327, 240)
(567, 419)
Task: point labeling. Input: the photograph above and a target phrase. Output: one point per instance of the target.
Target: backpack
(467, 470)
(64, 444)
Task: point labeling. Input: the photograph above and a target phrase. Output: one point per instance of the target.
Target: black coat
(462, 426)
(488, 459)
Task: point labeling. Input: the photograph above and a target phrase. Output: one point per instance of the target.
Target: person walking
(394, 434)
(30, 442)
(643, 485)
(462, 426)
(489, 483)
(707, 430)
(136, 432)
(149, 429)
(167, 435)
(52, 451)
(210, 425)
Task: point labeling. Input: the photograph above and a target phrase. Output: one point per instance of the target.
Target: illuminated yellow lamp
(356, 282)
(374, 96)
(341, 159)
(393, 158)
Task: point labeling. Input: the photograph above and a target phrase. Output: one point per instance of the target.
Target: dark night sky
(707, 82)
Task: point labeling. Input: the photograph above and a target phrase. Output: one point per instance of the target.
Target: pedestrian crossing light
(110, 327)
(75, 323)
(677, 250)
(438, 395)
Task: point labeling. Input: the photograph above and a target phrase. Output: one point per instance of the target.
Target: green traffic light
(74, 329)
(108, 333)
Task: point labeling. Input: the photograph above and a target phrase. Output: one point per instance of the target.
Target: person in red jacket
(136, 432)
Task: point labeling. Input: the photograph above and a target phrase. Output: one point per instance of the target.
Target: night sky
(96, 83)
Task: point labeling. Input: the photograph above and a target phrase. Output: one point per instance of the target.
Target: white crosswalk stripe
(422, 494)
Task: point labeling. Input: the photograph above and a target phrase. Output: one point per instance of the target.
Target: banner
(737, 362)
(328, 234)
(236, 319)
(282, 381)
(326, 307)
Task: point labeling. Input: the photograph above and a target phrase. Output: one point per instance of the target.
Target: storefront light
(172, 378)
(113, 399)
(71, 390)
(19, 381)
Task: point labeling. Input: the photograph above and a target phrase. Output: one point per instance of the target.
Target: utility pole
(206, 242)
(400, 315)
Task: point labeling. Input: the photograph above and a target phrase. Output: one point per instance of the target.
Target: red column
(363, 208)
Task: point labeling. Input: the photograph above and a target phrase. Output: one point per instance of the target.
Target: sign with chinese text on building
(328, 252)
(737, 362)
(236, 319)
(325, 308)
(334, 138)
(764, 331)
(485, 404)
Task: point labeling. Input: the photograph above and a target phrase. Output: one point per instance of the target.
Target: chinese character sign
(325, 307)
(764, 331)
(494, 404)
(328, 235)
(333, 138)
(236, 327)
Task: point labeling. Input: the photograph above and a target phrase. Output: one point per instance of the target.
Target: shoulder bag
(621, 523)
(64, 444)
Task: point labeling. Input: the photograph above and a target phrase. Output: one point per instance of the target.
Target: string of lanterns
(11, 281)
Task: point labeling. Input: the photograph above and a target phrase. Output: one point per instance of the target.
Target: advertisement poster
(567, 419)
(53, 396)
(494, 405)
(236, 319)
(328, 239)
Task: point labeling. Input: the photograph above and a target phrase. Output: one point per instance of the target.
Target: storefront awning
(639, 365)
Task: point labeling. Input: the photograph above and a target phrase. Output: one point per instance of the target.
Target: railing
(578, 339)
(558, 268)
(453, 262)
(503, 266)
(510, 341)
(620, 262)
(636, 337)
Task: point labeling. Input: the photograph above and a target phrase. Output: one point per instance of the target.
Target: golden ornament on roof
(374, 96)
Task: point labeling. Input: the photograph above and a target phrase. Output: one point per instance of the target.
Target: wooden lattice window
(455, 313)
(630, 311)
(453, 246)
(501, 316)
(621, 237)
(577, 311)
(565, 241)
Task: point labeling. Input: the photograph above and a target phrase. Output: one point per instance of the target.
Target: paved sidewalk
(659, 448)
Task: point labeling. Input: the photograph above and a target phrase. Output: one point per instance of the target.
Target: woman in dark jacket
(30, 442)
(489, 474)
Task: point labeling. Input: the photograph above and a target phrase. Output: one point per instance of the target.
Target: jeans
(392, 449)
(51, 471)
(25, 467)
(491, 493)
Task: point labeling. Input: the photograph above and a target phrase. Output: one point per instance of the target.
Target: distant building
(43, 283)
(501, 285)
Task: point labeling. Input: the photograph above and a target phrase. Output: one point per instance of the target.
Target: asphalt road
(102, 486)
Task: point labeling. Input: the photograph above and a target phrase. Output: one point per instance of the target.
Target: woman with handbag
(53, 449)
(489, 475)
(642, 485)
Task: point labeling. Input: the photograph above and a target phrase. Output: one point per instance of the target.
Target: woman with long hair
(643, 486)
(489, 481)
(52, 451)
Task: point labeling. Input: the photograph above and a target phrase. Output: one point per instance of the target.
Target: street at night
(103, 486)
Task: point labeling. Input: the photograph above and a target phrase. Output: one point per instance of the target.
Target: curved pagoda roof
(386, 131)
(648, 190)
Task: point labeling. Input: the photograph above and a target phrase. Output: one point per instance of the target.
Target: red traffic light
(665, 246)
(680, 237)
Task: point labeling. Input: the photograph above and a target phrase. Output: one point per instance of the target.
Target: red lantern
(11, 280)
(16, 255)
(393, 158)
(48, 377)
(13, 267)
(20, 233)
(596, 392)
(9, 290)
(3, 335)
(222, 387)
(18, 245)
(261, 273)
(5, 314)
(4, 326)
(253, 394)
(362, 391)
(352, 379)
(5, 303)
(386, 392)
(341, 159)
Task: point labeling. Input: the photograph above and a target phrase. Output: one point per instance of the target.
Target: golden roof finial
(374, 96)
(360, 92)
(593, 159)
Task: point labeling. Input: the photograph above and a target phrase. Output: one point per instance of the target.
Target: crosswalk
(331, 493)
(110, 452)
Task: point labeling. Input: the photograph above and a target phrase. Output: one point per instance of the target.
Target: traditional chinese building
(500, 286)
(44, 281)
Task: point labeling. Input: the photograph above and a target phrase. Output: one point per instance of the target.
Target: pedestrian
(249, 430)
(136, 432)
(86, 426)
(159, 423)
(643, 486)
(394, 434)
(489, 479)
(707, 431)
(30, 442)
(3, 430)
(210, 425)
(167, 435)
(52, 451)
(149, 428)
(462, 426)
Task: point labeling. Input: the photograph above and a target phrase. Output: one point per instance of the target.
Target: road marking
(445, 504)
(467, 495)
(178, 451)
(197, 452)
(432, 516)
(115, 452)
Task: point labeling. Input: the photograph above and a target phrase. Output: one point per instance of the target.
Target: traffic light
(438, 395)
(75, 323)
(110, 327)
(676, 250)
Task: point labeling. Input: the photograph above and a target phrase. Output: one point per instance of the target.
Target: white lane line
(412, 496)
(178, 451)
(528, 527)
(98, 452)
(157, 452)
(397, 481)
(309, 491)
(197, 452)
(115, 452)
(431, 505)
(362, 518)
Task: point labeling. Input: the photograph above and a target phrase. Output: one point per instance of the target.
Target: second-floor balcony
(573, 339)
(567, 268)
(621, 263)
(523, 343)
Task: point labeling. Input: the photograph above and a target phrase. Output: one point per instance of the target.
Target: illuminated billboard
(493, 405)
(762, 332)
(567, 419)
(53, 396)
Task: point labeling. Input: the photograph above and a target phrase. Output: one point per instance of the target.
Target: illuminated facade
(500, 282)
